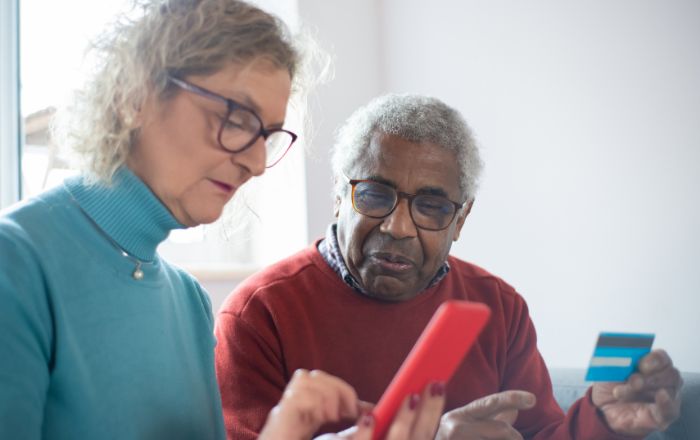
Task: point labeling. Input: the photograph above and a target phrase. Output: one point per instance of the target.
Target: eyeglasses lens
(378, 200)
(276, 145)
(239, 129)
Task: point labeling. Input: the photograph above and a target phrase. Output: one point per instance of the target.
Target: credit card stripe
(611, 362)
(627, 335)
(620, 341)
(608, 374)
(620, 352)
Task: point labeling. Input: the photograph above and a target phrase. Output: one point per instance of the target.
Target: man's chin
(390, 289)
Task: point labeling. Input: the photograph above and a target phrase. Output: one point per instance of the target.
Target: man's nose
(399, 223)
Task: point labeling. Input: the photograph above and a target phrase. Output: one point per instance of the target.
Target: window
(52, 40)
(9, 104)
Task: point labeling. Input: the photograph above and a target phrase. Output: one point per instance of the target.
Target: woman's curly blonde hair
(135, 57)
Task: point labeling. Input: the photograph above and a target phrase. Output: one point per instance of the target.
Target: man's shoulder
(481, 281)
(304, 267)
(470, 270)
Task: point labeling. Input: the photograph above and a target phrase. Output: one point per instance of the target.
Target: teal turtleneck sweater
(86, 350)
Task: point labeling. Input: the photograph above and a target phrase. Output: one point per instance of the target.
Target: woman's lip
(225, 187)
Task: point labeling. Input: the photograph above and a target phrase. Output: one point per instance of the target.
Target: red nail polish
(437, 389)
(367, 419)
(413, 401)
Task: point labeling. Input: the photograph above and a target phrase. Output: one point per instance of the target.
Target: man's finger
(483, 430)
(640, 387)
(666, 409)
(656, 360)
(492, 405)
(668, 378)
(509, 416)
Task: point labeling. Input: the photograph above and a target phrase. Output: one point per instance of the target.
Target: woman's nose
(252, 158)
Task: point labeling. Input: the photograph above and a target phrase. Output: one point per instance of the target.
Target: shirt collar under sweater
(330, 251)
(127, 210)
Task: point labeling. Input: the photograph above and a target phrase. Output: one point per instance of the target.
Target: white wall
(588, 114)
(349, 31)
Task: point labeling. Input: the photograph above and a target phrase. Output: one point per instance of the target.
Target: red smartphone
(445, 341)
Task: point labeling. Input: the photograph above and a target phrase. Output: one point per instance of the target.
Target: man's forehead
(425, 166)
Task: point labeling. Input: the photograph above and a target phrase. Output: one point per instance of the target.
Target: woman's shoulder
(190, 286)
(34, 214)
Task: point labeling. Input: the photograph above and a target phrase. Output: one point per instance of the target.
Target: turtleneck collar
(126, 210)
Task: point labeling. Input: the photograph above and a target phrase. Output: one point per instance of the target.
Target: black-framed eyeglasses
(378, 200)
(241, 126)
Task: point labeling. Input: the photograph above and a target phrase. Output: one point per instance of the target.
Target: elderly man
(406, 169)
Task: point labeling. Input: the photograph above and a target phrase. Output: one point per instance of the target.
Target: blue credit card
(616, 356)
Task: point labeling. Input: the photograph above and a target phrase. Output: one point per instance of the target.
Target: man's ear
(336, 206)
(461, 218)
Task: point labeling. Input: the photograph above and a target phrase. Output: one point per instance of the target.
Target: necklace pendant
(138, 273)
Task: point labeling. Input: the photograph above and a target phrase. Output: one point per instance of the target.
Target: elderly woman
(101, 337)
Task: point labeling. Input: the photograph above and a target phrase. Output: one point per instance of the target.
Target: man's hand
(488, 418)
(647, 402)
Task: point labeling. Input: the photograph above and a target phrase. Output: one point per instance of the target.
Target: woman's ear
(139, 111)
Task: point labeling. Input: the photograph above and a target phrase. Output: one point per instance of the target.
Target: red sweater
(298, 313)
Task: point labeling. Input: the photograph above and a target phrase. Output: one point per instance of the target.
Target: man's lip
(393, 262)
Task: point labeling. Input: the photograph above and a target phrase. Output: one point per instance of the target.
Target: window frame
(10, 115)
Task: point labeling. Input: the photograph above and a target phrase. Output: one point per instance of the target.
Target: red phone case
(434, 357)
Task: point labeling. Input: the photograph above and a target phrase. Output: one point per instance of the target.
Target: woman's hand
(417, 419)
(314, 398)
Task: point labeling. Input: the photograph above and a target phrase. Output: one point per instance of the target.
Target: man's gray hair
(415, 118)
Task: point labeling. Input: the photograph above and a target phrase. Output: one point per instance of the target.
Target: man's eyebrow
(380, 179)
(429, 190)
(433, 191)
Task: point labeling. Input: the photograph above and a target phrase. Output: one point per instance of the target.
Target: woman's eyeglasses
(241, 126)
(378, 200)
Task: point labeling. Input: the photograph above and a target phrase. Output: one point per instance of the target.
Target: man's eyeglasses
(378, 200)
(241, 126)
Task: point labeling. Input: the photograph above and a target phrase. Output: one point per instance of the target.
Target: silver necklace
(137, 274)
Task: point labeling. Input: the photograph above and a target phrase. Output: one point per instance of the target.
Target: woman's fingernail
(367, 419)
(437, 389)
(413, 401)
